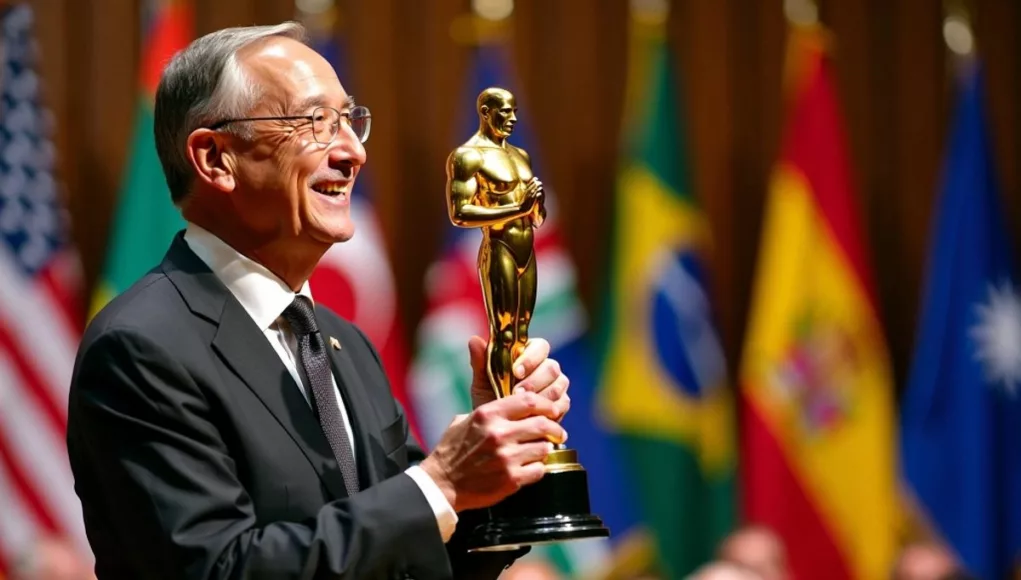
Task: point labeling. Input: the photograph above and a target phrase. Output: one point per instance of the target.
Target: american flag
(40, 319)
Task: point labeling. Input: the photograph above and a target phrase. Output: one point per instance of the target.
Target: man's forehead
(292, 73)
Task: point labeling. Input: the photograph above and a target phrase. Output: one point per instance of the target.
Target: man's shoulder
(151, 307)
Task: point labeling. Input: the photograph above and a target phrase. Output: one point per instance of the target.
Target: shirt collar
(262, 294)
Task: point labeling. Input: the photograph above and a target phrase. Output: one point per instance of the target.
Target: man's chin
(334, 235)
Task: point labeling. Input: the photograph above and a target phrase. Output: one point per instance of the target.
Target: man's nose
(346, 149)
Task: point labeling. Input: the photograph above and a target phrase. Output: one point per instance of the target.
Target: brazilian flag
(664, 390)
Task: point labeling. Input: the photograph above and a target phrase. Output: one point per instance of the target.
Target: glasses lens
(361, 122)
(325, 123)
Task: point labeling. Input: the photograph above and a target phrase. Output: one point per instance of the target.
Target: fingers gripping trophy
(490, 185)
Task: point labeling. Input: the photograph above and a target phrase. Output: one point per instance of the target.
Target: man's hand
(489, 454)
(536, 372)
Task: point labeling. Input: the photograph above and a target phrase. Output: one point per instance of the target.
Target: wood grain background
(894, 81)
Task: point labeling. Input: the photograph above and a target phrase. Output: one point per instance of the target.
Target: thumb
(477, 353)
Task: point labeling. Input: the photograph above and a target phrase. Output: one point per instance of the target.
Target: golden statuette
(490, 185)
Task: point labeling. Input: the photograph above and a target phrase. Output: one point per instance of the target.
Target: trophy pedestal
(554, 509)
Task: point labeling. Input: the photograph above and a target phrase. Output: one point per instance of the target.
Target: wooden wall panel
(892, 75)
(428, 102)
(370, 52)
(920, 100)
(999, 43)
(758, 44)
(879, 183)
(103, 85)
(210, 16)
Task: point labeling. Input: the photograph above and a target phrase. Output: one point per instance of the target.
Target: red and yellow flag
(818, 423)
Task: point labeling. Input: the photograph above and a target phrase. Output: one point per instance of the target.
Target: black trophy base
(554, 509)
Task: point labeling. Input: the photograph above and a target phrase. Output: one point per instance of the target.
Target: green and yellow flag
(664, 388)
(145, 219)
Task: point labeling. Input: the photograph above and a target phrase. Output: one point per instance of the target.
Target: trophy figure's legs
(501, 287)
(526, 289)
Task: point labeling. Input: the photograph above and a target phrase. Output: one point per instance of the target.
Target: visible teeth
(331, 188)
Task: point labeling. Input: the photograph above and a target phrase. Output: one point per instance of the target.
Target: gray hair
(203, 84)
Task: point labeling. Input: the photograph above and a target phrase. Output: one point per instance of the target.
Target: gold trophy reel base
(562, 459)
(552, 510)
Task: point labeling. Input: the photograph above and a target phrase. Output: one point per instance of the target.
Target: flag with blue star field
(961, 413)
(41, 314)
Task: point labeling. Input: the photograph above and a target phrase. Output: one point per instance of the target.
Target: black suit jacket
(196, 456)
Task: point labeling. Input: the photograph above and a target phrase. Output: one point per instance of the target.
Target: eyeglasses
(326, 122)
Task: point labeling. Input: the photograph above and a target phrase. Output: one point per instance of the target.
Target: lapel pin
(334, 343)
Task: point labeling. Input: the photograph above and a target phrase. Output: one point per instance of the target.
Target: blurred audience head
(926, 561)
(758, 549)
(52, 559)
(530, 570)
(721, 570)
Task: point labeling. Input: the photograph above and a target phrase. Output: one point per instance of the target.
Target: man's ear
(213, 164)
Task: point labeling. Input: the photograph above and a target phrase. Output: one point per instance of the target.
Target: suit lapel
(245, 351)
(364, 422)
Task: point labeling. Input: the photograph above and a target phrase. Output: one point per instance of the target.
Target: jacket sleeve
(174, 500)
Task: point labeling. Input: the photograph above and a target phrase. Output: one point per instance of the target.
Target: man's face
(289, 185)
(501, 116)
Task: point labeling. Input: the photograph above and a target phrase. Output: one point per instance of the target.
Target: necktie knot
(301, 316)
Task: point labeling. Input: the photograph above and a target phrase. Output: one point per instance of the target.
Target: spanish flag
(818, 422)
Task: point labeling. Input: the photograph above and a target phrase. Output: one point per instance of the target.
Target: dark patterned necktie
(312, 350)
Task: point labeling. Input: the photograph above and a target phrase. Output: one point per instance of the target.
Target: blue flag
(961, 414)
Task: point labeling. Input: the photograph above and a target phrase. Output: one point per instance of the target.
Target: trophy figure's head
(498, 112)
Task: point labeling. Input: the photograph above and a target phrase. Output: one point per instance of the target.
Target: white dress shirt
(264, 297)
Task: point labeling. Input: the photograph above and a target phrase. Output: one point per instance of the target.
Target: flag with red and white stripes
(40, 314)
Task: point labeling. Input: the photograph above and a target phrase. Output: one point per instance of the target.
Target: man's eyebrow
(303, 106)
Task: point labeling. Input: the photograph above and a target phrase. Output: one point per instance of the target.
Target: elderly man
(221, 425)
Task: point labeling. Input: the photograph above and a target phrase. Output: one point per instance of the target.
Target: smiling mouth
(332, 189)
